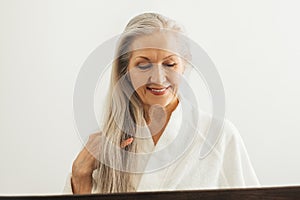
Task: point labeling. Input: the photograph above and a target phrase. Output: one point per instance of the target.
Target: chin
(161, 103)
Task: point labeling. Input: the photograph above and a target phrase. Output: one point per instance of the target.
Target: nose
(158, 75)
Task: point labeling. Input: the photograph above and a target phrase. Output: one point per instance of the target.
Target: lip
(158, 90)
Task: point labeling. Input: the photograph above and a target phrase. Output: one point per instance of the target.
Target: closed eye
(169, 64)
(144, 66)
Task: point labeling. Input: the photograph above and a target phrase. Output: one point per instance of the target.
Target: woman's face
(155, 73)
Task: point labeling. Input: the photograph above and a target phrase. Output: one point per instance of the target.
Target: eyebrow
(149, 59)
(142, 57)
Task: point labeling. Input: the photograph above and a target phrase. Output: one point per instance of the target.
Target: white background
(43, 44)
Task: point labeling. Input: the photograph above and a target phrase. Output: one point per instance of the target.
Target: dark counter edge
(274, 193)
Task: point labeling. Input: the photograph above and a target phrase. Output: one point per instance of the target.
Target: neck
(157, 118)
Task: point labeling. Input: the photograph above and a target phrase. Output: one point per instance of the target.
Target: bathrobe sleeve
(68, 185)
(236, 165)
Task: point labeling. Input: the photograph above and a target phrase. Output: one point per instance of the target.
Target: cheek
(178, 74)
(174, 78)
(141, 92)
(138, 79)
(138, 85)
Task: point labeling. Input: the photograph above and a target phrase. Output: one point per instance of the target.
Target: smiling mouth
(158, 91)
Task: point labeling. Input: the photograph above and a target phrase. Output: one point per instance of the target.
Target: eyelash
(170, 65)
(144, 67)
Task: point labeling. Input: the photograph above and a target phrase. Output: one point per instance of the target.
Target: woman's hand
(85, 163)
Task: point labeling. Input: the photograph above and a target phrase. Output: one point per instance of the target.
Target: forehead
(158, 42)
(152, 54)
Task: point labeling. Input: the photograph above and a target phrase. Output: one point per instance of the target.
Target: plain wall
(255, 46)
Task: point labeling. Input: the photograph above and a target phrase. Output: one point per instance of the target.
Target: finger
(127, 142)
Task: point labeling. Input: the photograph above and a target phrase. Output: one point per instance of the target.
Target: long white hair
(120, 108)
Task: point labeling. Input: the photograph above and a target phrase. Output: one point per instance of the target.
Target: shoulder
(223, 125)
(217, 134)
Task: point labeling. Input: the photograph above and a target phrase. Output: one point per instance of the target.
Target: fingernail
(130, 139)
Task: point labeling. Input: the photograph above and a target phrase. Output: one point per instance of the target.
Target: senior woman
(144, 116)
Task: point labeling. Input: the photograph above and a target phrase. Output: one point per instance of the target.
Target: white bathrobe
(226, 166)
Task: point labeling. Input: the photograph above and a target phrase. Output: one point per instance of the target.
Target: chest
(188, 172)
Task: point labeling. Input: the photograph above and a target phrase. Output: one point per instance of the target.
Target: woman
(144, 116)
